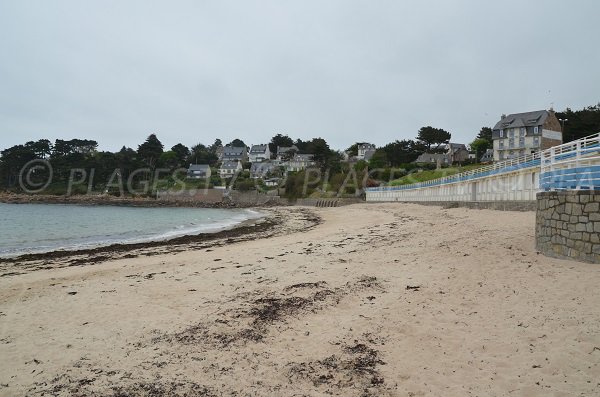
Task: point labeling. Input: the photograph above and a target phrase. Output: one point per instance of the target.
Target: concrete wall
(568, 224)
(520, 185)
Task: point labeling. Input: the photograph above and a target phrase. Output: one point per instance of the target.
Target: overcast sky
(193, 71)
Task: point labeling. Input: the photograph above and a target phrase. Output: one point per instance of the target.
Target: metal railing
(585, 149)
(572, 166)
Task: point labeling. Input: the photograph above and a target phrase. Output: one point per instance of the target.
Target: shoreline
(271, 223)
(93, 200)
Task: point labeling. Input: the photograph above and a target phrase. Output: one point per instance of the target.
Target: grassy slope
(429, 175)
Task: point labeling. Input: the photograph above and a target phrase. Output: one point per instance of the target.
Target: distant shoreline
(147, 202)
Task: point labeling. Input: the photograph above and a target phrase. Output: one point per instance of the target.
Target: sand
(376, 300)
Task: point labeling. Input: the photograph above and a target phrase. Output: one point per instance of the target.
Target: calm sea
(30, 228)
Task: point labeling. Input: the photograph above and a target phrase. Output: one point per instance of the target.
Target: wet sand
(370, 300)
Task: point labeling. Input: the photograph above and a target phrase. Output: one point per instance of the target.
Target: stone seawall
(568, 225)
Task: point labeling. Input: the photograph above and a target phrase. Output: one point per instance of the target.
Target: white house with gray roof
(365, 150)
(234, 153)
(230, 168)
(299, 162)
(197, 171)
(525, 133)
(263, 168)
(259, 153)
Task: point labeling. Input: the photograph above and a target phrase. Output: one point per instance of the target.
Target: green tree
(216, 145)
(485, 133)
(479, 146)
(150, 150)
(321, 152)
(580, 123)
(433, 136)
(280, 140)
(403, 152)
(237, 143)
(379, 159)
(181, 154)
(201, 154)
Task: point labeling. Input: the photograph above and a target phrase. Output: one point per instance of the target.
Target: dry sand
(377, 300)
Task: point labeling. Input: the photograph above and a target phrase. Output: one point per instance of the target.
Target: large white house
(230, 168)
(259, 153)
(524, 133)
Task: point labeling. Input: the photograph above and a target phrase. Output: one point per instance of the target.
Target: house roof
(366, 146)
(259, 149)
(263, 167)
(528, 119)
(488, 155)
(230, 165)
(233, 150)
(199, 167)
(431, 157)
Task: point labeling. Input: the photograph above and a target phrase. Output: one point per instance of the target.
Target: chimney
(502, 117)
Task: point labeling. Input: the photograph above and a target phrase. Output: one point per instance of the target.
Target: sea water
(34, 228)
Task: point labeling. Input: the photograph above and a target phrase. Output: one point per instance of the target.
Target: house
(262, 169)
(457, 152)
(234, 153)
(299, 162)
(435, 158)
(259, 153)
(368, 154)
(197, 171)
(286, 152)
(488, 156)
(230, 168)
(524, 133)
(363, 149)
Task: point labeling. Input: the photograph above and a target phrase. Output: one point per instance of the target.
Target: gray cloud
(347, 71)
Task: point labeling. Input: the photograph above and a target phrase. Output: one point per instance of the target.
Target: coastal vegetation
(78, 167)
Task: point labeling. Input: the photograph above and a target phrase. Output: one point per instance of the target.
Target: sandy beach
(363, 300)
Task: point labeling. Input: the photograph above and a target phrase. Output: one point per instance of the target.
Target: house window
(536, 140)
(511, 134)
(511, 143)
(522, 141)
(501, 144)
(522, 131)
(536, 130)
(501, 133)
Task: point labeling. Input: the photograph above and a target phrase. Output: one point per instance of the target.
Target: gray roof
(229, 165)
(488, 155)
(432, 158)
(265, 166)
(199, 167)
(233, 150)
(259, 149)
(528, 119)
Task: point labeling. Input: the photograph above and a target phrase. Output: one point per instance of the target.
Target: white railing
(583, 152)
(572, 165)
(517, 163)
